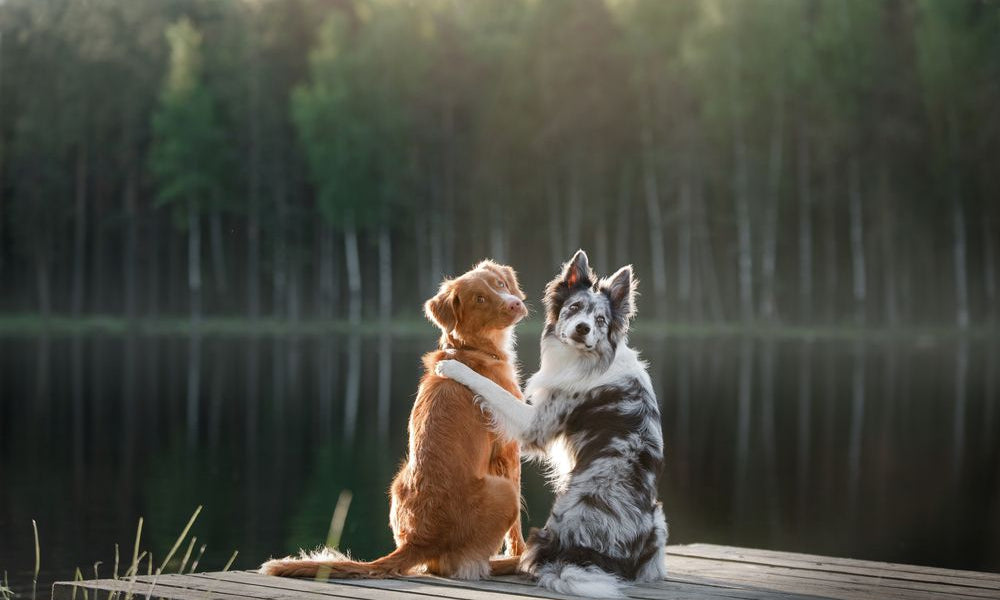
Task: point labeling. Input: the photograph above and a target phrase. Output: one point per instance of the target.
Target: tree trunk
(887, 239)
(961, 274)
(131, 244)
(990, 267)
(805, 231)
(327, 287)
(497, 233)
(684, 244)
(574, 212)
(253, 192)
(859, 286)
(253, 261)
(353, 264)
(80, 232)
(194, 261)
(152, 249)
(706, 253)
(556, 245)
(623, 224)
(830, 240)
(654, 213)
(43, 276)
(218, 254)
(769, 253)
(279, 288)
(741, 192)
(385, 274)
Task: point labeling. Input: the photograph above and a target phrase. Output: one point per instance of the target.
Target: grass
(133, 571)
(33, 325)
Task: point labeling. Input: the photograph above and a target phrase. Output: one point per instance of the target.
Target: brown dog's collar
(451, 350)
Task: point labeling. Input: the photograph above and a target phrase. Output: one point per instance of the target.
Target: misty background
(219, 220)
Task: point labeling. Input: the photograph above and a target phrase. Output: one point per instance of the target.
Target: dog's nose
(582, 328)
(515, 305)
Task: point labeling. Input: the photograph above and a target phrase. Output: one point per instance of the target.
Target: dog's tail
(331, 564)
(504, 566)
(576, 580)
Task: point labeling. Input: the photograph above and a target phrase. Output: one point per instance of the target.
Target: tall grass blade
(38, 561)
(187, 555)
(180, 538)
(339, 518)
(115, 574)
(97, 564)
(197, 559)
(135, 549)
(231, 560)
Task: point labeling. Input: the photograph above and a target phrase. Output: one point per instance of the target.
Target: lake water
(868, 449)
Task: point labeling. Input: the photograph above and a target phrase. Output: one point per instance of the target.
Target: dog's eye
(601, 321)
(480, 299)
(502, 284)
(574, 307)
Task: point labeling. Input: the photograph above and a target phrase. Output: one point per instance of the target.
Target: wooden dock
(697, 572)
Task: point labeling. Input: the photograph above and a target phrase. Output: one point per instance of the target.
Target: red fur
(457, 497)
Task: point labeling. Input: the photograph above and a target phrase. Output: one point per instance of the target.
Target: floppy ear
(442, 310)
(621, 290)
(577, 273)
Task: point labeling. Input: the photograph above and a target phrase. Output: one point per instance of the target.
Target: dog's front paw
(448, 368)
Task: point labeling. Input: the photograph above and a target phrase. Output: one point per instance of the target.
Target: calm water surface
(877, 450)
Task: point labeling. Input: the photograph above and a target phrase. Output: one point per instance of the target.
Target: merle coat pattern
(594, 418)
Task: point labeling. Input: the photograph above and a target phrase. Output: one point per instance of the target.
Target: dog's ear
(621, 290)
(442, 309)
(576, 273)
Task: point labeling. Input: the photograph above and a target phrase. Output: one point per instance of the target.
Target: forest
(766, 161)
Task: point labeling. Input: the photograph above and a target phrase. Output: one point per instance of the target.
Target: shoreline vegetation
(29, 324)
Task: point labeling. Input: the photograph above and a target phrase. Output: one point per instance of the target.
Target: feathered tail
(335, 565)
(575, 580)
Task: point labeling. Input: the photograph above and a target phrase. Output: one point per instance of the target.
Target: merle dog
(592, 415)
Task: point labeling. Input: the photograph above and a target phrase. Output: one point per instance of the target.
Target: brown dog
(457, 498)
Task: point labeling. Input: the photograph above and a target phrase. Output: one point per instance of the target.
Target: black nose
(582, 328)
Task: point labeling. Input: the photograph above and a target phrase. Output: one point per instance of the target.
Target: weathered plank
(697, 572)
(840, 565)
(819, 583)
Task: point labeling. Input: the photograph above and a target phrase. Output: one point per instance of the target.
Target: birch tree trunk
(769, 253)
(80, 232)
(623, 224)
(218, 254)
(556, 244)
(253, 192)
(684, 244)
(830, 240)
(497, 234)
(654, 213)
(194, 261)
(43, 277)
(887, 239)
(385, 274)
(859, 283)
(131, 242)
(990, 266)
(805, 231)
(327, 284)
(353, 264)
(709, 273)
(959, 254)
(741, 193)
(574, 212)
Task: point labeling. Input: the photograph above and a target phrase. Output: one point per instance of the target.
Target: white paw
(449, 368)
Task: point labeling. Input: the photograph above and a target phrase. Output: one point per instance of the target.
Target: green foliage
(188, 154)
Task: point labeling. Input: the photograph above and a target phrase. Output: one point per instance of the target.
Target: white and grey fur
(591, 413)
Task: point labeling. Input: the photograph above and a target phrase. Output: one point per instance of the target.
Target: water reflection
(847, 448)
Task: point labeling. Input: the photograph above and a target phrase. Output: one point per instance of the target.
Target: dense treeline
(815, 161)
